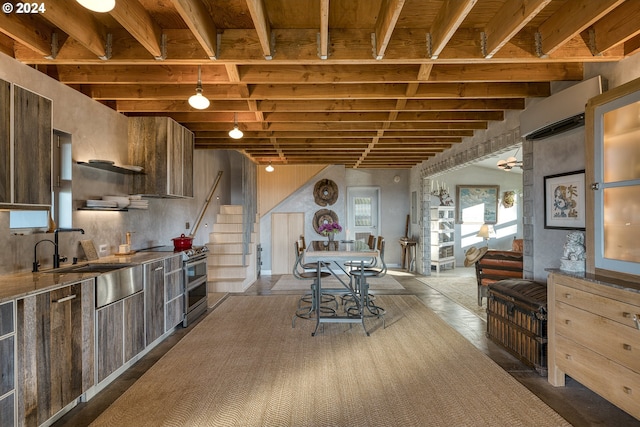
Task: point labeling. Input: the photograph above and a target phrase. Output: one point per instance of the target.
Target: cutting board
(89, 249)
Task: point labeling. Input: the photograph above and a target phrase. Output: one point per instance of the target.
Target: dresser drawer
(618, 311)
(612, 340)
(614, 382)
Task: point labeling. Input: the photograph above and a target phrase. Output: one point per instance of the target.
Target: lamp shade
(269, 168)
(199, 101)
(235, 133)
(98, 5)
(486, 231)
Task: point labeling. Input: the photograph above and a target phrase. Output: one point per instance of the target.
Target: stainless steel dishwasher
(117, 284)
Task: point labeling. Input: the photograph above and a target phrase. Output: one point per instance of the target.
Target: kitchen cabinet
(154, 300)
(174, 292)
(7, 364)
(55, 336)
(594, 337)
(164, 149)
(612, 124)
(119, 334)
(442, 237)
(25, 148)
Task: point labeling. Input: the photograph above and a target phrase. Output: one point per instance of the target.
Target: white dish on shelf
(102, 204)
(109, 162)
(132, 168)
(122, 201)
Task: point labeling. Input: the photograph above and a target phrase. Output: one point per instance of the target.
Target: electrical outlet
(187, 225)
(103, 249)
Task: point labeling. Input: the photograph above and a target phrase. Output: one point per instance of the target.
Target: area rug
(462, 290)
(289, 283)
(244, 365)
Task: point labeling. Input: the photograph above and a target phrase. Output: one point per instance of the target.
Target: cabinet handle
(627, 390)
(68, 298)
(567, 296)
(568, 356)
(158, 268)
(635, 319)
(626, 347)
(626, 315)
(567, 322)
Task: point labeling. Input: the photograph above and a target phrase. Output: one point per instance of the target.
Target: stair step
(229, 219)
(225, 238)
(226, 272)
(231, 209)
(225, 259)
(227, 228)
(226, 248)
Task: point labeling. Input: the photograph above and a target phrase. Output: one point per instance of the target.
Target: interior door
(286, 228)
(363, 212)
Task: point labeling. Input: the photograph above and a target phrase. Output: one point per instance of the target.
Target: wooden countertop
(18, 285)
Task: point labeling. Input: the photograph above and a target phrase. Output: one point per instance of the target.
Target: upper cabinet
(25, 148)
(613, 174)
(164, 149)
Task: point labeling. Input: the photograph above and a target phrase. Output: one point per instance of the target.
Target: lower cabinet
(55, 350)
(173, 294)
(119, 334)
(154, 300)
(7, 364)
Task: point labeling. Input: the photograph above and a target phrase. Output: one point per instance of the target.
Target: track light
(199, 101)
(236, 133)
(269, 168)
(98, 5)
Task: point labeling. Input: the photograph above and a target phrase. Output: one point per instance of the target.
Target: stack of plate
(136, 202)
(121, 201)
(102, 204)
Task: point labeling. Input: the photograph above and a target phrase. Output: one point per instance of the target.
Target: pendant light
(199, 101)
(269, 168)
(101, 6)
(510, 163)
(235, 133)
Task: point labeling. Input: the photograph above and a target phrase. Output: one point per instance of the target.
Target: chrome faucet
(56, 256)
(36, 263)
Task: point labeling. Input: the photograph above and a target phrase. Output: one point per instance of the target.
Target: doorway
(363, 212)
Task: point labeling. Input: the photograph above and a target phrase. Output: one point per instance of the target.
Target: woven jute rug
(462, 290)
(289, 283)
(244, 365)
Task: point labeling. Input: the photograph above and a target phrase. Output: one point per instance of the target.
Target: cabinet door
(174, 302)
(187, 163)
(175, 151)
(7, 365)
(134, 339)
(5, 142)
(286, 228)
(109, 337)
(51, 330)
(33, 133)
(154, 300)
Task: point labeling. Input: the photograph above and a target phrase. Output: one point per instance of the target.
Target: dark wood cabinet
(154, 300)
(165, 149)
(55, 350)
(7, 364)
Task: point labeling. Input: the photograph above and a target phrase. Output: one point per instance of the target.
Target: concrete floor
(577, 404)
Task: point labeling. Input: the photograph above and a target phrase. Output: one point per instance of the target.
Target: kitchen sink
(96, 267)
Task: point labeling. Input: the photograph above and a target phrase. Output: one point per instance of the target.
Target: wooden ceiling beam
(201, 24)
(340, 126)
(137, 21)
(323, 47)
(570, 20)
(222, 134)
(262, 26)
(632, 46)
(510, 19)
(622, 24)
(375, 116)
(133, 74)
(33, 34)
(449, 18)
(387, 18)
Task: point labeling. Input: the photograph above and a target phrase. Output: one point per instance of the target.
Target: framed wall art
(477, 204)
(564, 201)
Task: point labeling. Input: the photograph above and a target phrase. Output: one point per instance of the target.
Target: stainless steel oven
(195, 283)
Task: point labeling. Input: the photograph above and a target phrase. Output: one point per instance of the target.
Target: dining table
(330, 256)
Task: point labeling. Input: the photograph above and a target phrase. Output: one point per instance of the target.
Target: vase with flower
(330, 229)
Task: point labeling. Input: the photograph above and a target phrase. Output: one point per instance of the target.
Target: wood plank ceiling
(365, 83)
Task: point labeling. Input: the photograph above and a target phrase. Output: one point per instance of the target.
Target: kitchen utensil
(182, 243)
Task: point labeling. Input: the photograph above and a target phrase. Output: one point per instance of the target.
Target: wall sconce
(236, 133)
(486, 232)
(199, 101)
(510, 163)
(269, 168)
(101, 6)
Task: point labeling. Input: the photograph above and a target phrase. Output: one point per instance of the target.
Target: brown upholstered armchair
(494, 266)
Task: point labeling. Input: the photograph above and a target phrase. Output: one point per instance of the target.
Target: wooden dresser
(594, 336)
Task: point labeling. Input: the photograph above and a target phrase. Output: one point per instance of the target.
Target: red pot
(182, 243)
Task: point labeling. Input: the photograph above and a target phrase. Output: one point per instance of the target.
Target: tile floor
(575, 403)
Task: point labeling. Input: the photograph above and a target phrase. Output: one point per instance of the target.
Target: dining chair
(308, 304)
(370, 263)
(359, 275)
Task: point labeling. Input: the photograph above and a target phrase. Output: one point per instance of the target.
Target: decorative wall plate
(325, 192)
(324, 216)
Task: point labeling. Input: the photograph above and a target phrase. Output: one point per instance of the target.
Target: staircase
(225, 268)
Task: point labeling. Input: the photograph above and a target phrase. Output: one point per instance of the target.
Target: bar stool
(308, 304)
(360, 275)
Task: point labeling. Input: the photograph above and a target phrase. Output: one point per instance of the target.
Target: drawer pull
(568, 356)
(637, 320)
(626, 347)
(158, 268)
(627, 390)
(626, 315)
(68, 298)
(567, 296)
(567, 322)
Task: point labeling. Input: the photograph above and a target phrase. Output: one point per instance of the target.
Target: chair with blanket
(495, 265)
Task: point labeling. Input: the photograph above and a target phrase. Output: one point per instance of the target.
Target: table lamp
(486, 232)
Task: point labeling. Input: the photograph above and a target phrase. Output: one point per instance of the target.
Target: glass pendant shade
(199, 101)
(269, 168)
(235, 133)
(98, 5)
